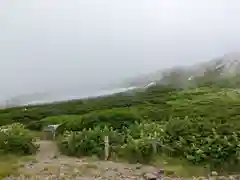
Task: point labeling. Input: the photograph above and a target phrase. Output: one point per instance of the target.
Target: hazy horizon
(85, 45)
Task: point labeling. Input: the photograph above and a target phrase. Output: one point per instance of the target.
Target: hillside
(42, 98)
(198, 124)
(179, 76)
(229, 64)
(180, 112)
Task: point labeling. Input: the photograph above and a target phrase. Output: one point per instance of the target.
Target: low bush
(116, 118)
(34, 125)
(89, 142)
(4, 119)
(196, 140)
(144, 141)
(16, 139)
(201, 141)
(38, 125)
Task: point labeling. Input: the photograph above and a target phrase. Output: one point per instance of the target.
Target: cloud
(50, 45)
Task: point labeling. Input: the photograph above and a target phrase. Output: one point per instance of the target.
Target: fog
(82, 46)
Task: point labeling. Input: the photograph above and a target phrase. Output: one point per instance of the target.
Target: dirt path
(49, 164)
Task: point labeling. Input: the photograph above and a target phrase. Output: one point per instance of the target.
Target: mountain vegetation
(197, 122)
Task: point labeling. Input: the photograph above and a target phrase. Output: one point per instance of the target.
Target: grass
(9, 164)
(180, 167)
(37, 134)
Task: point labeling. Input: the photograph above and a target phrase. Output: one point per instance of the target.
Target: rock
(46, 162)
(139, 166)
(223, 178)
(214, 173)
(150, 176)
(161, 172)
(237, 177)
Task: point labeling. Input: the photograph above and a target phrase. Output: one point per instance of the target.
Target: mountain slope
(227, 65)
(180, 76)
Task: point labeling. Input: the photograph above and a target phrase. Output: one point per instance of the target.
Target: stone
(231, 178)
(139, 166)
(237, 177)
(161, 171)
(214, 173)
(150, 176)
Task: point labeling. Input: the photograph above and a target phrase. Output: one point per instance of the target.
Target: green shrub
(38, 125)
(59, 119)
(34, 125)
(115, 118)
(196, 140)
(201, 141)
(144, 142)
(4, 119)
(215, 105)
(137, 150)
(16, 139)
(88, 142)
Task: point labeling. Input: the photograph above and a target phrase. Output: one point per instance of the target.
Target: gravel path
(49, 164)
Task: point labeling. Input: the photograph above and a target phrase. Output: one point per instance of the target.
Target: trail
(49, 164)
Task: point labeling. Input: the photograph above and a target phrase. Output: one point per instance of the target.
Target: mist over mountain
(66, 94)
(182, 76)
(228, 64)
(58, 49)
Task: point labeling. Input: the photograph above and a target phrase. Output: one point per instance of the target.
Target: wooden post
(53, 135)
(154, 144)
(44, 135)
(106, 142)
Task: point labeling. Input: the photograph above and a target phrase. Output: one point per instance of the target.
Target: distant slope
(42, 98)
(227, 65)
(179, 76)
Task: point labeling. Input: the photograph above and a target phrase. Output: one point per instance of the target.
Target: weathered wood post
(154, 145)
(54, 134)
(106, 142)
(44, 136)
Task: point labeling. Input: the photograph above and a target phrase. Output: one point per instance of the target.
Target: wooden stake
(154, 147)
(106, 142)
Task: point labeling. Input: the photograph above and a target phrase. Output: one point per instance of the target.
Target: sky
(52, 45)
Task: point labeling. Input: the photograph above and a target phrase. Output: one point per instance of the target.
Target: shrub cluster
(116, 118)
(193, 139)
(16, 139)
(89, 141)
(198, 124)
